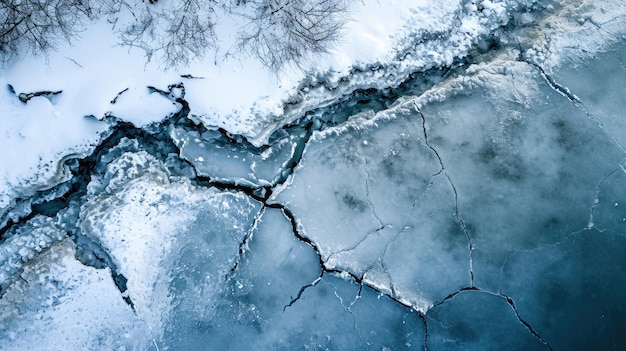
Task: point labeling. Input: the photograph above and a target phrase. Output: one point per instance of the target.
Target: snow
(36, 135)
(236, 94)
(461, 182)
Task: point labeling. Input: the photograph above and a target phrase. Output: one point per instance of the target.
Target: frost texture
(172, 241)
(58, 301)
(475, 203)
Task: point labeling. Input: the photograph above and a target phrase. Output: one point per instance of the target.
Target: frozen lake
(478, 203)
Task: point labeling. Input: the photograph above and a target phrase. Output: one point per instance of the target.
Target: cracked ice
(468, 193)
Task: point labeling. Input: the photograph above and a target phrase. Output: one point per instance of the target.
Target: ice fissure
(460, 220)
(93, 254)
(381, 225)
(475, 290)
(158, 144)
(88, 251)
(324, 269)
(565, 92)
(525, 323)
(449, 209)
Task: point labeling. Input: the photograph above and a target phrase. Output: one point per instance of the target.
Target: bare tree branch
(282, 32)
(278, 32)
(177, 35)
(40, 24)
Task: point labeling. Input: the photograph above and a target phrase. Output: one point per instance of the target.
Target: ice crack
(456, 195)
(91, 254)
(302, 290)
(325, 269)
(508, 300)
(524, 322)
(355, 246)
(590, 223)
(367, 192)
(243, 245)
(565, 92)
(423, 318)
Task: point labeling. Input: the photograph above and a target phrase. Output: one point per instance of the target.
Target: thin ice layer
(572, 293)
(277, 299)
(374, 200)
(525, 160)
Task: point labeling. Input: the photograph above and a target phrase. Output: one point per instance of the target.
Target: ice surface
(606, 102)
(58, 303)
(173, 242)
(578, 301)
(473, 320)
(264, 308)
(609, 212)
(375, 188)
(452, 176)
(526, 162)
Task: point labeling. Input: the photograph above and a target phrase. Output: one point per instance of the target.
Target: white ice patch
(60, 303)
(577, 31)
(160, 232)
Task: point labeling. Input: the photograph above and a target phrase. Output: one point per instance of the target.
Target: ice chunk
(331, 184)
(214, 156)
(62, 304)
(373, 198)
(174, 242)
(355, 180)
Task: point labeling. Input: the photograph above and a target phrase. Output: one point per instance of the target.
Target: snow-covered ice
(450, 175)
